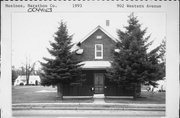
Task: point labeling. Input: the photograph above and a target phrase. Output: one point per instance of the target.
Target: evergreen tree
(14, 75)
(163, 51)
(63, 68)
(133, 64)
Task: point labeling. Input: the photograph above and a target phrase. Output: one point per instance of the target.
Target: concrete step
(98, 98)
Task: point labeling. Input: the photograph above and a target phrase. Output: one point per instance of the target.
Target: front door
(99, 83)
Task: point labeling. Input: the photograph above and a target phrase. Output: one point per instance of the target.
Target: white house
(33, 80)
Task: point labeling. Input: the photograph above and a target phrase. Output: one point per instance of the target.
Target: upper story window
(99, 37)
(98, 51)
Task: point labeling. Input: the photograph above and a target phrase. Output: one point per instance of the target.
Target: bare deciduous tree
(29, 70)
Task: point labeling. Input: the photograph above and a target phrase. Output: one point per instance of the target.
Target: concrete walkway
(99, 99)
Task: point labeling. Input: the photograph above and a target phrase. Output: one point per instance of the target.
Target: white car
(33, 80)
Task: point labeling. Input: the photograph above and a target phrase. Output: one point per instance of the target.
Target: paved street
(87, 114)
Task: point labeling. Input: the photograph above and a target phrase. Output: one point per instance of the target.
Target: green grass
(30, 94)
(146, 98)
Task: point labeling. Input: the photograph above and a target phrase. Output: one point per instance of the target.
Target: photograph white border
(171, 8)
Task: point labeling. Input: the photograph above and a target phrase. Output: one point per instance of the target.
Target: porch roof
(96, 64)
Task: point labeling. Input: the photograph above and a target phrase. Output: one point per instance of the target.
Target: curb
(88, 104)
(87, 108)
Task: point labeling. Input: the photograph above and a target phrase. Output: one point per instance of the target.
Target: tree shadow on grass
(145, 98)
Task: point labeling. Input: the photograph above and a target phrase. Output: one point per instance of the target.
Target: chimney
(107, 23)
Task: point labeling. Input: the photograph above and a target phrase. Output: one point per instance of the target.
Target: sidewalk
(88, 106)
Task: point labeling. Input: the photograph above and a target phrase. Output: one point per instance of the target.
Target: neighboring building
(33, 80)
(96, 51)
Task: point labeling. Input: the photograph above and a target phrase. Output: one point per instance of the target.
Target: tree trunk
(60, 91)
(135, 91)
(27, 80)
(139, 90)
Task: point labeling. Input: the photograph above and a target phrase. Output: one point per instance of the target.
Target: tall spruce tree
(163, 50)
(133, 63)
(63, 69)
(162, 53)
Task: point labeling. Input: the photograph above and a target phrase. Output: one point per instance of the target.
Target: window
(99, 37)
(98, 51)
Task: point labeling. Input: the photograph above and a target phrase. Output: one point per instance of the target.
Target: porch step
(98, 98)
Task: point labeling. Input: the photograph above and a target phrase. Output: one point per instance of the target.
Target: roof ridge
(95, 29)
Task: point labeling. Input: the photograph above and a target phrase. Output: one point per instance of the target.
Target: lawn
(146, 98)
(35, 94)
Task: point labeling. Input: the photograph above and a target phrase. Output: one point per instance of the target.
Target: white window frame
(99, 57)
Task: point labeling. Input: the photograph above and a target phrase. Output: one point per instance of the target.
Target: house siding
(89, 47)
(108, 88)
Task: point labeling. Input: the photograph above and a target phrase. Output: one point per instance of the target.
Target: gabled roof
(103, 30)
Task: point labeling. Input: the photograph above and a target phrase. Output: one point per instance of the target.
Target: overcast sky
(31, 33)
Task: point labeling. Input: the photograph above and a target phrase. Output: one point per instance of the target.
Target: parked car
(33, 80)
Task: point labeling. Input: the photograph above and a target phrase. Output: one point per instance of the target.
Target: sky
(31, 32)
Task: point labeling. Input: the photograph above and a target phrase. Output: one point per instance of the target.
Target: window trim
(99, 57)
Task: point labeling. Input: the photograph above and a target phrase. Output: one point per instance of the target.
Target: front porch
(97, 83)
